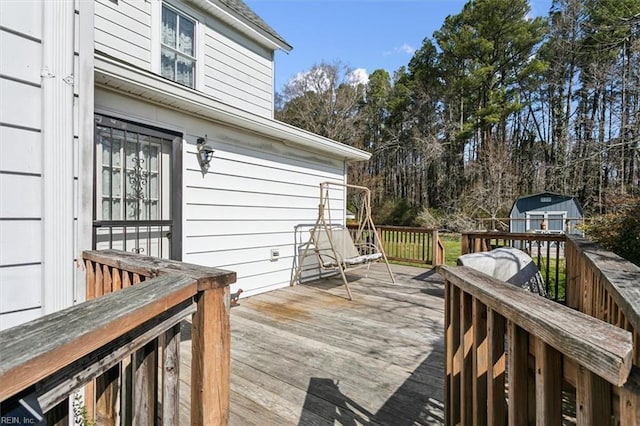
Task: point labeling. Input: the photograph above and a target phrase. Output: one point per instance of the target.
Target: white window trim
(156, 35)
(545, 214)
(156, 39)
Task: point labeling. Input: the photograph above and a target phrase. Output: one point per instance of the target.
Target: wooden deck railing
(410, 244)
(515, 358)
(547, 250)
(125, 345)
(605, 286)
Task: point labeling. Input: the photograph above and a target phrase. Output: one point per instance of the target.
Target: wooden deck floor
(306, 355)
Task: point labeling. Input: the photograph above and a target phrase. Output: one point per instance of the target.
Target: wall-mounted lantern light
(205, 154)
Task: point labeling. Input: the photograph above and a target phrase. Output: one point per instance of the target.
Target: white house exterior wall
(123, 30)
(238, 71)
(256, 191)
(20, 164)
(40, 116)
(230, 67)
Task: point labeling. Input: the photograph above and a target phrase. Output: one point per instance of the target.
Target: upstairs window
(178, 60)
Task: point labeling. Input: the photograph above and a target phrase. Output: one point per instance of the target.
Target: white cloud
(358, 76)
(404, 49)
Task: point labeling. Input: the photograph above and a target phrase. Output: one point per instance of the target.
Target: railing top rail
(405, 228)
(621, 277)
(489, 219)
(516, 236)
(598, 346)
(37, 349)
(206, 277)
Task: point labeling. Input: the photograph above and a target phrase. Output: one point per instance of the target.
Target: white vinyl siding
(17, 55)
(249, 203)
(20, 113)
(20, 162)
(22, 158)
(24, 111)
(123, 30)
(23, 17)
(238, 72)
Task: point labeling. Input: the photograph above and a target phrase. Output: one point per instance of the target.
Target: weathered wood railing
(125, 345)
(546, 249)
(605, 286)
(410, 244)
(492, 332)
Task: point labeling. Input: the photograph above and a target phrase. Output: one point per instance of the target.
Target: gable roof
(243, 10)
(237, 14)
(540, 194)
(565, 197)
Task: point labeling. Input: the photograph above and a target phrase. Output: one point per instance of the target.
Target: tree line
(493, 106)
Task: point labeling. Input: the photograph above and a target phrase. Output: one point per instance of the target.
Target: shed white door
(133, 188)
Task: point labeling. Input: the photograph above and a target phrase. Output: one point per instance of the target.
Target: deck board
(306, 355)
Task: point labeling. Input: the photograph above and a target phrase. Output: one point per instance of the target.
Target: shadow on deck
(306, 355)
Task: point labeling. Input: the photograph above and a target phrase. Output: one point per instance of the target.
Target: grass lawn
(452, 248)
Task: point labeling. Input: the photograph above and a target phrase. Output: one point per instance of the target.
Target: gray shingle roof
(241, 9)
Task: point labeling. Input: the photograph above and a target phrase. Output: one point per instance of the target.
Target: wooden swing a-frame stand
(333, 245)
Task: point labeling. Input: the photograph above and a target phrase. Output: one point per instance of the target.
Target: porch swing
(332, 243)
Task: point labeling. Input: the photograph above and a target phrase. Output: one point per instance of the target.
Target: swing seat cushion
(346, 251)
(365, 258)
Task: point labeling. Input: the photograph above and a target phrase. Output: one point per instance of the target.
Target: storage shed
(546, 212)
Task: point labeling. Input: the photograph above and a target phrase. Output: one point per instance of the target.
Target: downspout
(85, 198)
(57, 150)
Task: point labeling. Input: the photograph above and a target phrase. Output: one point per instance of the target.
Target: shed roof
(549, 193)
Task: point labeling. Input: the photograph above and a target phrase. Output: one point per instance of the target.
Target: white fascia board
(242, 26)
(115, 75)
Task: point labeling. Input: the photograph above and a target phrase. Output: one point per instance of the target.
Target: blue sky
(369, 34)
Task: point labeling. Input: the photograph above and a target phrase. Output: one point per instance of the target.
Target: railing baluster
(99, 280)
(106, 280)
(548, 385)
(145, 385)
(467, 357)
(496, 372)
(448, 348)
(107, 395)
(593, 399)
(116, 279)
(518, 374)
(454, 356)
(480, 367)
(171, 376)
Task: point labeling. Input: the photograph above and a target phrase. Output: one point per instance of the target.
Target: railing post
(210, 363)
(435, 249)
(464, 243)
